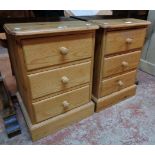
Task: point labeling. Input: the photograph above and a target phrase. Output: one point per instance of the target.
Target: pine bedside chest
(117, 54)
(53, 64)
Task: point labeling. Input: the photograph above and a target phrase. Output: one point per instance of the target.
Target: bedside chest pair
(66, 70)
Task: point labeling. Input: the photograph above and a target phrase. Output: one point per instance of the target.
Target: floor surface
(130, 122)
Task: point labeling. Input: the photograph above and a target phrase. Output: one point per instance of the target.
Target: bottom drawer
(61, 103)
(54, 124)
(117, 83)
(115, 97)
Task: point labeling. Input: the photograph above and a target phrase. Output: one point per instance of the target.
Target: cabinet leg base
(54, 124)
(113, 98)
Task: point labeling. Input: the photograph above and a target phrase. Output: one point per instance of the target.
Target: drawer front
(45, 52)
(52, 125)
(120, 63)
(117, 83)
(119, 41)
(60, 104)
(45, 83)
(115, 97)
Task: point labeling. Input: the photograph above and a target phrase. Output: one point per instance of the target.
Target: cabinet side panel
(18, 67)
(98, 58)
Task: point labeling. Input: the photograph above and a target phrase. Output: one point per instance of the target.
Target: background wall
(147, 62)
(87, 12)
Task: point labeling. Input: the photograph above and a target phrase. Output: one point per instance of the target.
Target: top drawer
(45, 52)
(119, 41)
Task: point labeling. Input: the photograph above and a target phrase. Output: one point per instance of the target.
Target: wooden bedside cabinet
(117, 54)
(53, 64)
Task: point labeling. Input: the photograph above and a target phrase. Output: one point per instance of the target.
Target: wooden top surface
(118, 23)
(19, 29)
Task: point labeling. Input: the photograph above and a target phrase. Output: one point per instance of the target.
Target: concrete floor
(129, 122)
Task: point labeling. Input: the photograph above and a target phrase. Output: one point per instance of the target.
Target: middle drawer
(51, 81)
(120, 63)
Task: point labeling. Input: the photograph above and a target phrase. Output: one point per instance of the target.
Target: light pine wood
(98, 61)
(19, 70)
(49, 51)
(62, 103)
(92, 66)
(114, 98)
(51, 81)
(124, 23)
(117, 83)
(125, 40)
(52, 125)
(58, 66)
(117, 54)
(53, 65)
(120, 63)
(29, 29)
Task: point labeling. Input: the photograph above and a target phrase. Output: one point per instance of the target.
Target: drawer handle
(64, 50)
(129, 40)
(65, 104)
(65, 79)
(125, 64)
(120, 83)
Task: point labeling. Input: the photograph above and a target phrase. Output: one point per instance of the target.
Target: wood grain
(117, 54)
(116, 41)
(121, 23)
(19, 70)
(53, 65)
(45, 52)
(98, 61)
(111, 85)
(22, 74)
(52, 125)
(31, 29)
(116, 97)
(113, 65)
(48, 82)
(53, 106)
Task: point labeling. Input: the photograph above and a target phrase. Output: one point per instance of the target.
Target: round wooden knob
(64, 50)
(65, 79)
(65, 104)
(129, 40)
(120, 83)
(125, 64)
